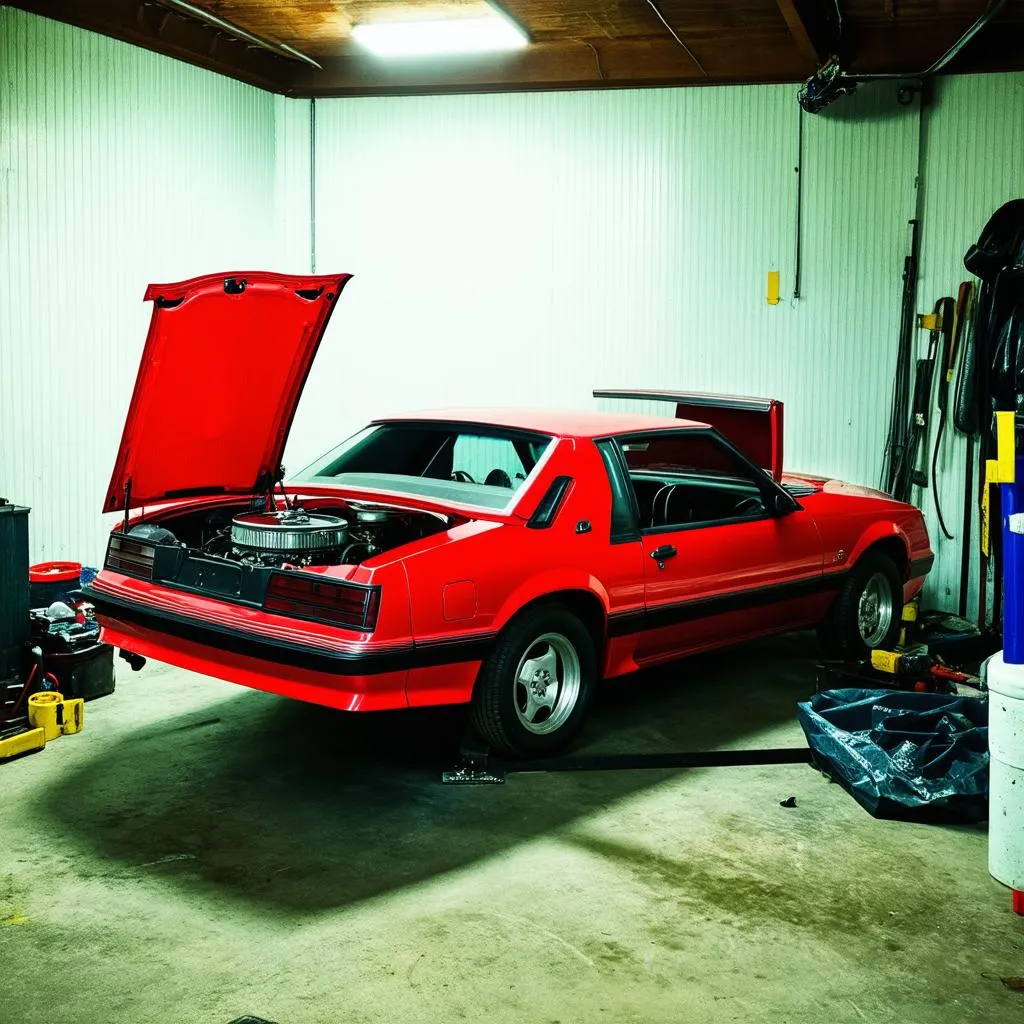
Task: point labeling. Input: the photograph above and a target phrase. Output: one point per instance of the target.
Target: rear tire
(868, 611)
(532, 692)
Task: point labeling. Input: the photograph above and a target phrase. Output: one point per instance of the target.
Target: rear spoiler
(754, 425)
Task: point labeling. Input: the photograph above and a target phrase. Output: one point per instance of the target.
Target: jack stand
(472, 769)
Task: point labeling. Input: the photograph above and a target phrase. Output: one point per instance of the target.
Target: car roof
(560, 423)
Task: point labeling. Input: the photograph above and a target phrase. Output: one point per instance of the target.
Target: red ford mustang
(504, 559)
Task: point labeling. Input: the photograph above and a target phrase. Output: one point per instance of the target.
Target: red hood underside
(225, 362)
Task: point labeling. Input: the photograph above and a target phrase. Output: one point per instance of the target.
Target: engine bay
(318, 532)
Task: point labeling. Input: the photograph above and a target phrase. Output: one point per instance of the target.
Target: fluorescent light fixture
(487, 34)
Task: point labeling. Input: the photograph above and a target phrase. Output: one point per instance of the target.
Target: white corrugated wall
(508, 249)
(527, 248)
(117, 167)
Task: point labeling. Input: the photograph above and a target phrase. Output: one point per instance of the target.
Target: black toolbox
(83, 671)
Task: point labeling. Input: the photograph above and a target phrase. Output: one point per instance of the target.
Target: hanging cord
(48, 677)
(675, 35)
(962, 326)
(950, 315)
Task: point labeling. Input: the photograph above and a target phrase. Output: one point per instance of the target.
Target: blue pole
(1013, 567)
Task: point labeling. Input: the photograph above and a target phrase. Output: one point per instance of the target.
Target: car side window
(487, 460)
(690, 478)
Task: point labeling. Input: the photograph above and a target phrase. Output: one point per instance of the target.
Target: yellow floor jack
(912, 667)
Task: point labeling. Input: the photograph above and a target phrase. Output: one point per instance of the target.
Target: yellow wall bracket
(773, 287)
(1000, 470)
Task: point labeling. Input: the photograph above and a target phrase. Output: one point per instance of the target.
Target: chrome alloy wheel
(547, 683)
(875, 610)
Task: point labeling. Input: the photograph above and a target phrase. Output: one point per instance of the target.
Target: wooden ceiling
(574, 44)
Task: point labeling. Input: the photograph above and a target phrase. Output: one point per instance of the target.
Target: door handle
(660, 555)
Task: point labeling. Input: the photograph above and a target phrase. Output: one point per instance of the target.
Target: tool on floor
(953, 639)
(937, 651)
(919, 668)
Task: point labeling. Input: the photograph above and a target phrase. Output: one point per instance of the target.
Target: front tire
(867, 613)
(532, 692)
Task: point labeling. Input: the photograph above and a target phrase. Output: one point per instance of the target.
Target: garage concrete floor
(201, 852)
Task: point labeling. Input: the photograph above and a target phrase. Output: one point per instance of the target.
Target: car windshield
(465, 463)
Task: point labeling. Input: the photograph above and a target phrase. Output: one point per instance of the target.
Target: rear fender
(548, 583)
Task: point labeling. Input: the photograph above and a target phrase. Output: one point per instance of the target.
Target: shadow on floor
(297, 808)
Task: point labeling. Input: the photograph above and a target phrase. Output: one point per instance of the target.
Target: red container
(54, 572)
(52, 581)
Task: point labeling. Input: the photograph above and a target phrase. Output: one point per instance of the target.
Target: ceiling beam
(563, 64)
(808, 30)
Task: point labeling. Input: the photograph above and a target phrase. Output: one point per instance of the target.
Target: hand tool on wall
(965, 422)
(896, 440)
(907, 475)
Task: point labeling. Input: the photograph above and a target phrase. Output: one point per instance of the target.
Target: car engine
(338, 533)
(294, 536)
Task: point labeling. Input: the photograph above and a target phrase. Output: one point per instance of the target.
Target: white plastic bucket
(1006, 772)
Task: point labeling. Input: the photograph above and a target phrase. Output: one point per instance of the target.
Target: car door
(728, 553)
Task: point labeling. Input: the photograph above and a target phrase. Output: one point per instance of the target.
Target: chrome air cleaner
(291, 532)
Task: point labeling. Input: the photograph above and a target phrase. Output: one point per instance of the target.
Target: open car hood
(753, 425)
(225, 362)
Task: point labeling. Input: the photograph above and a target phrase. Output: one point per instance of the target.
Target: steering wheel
(462, 477)
(749, 506)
